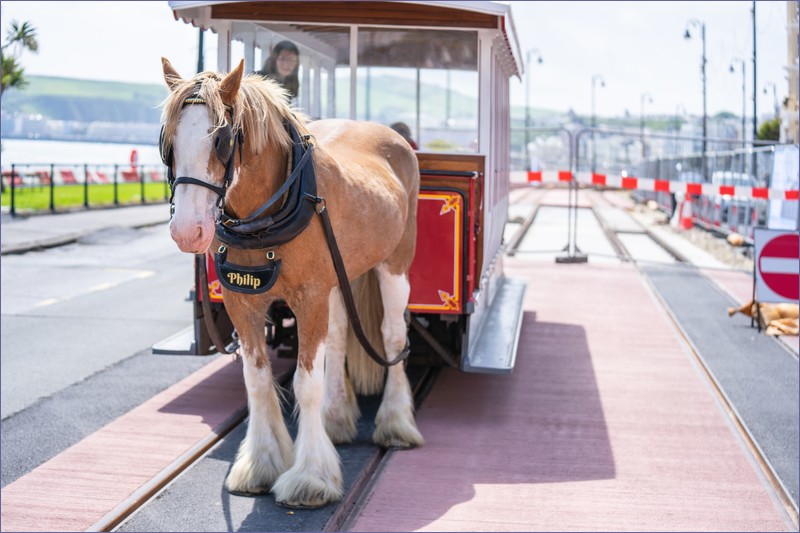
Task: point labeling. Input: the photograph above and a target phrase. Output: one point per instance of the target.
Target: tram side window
(427, 79)
(322, 70)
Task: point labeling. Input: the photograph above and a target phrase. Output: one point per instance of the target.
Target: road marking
(109, 284)
(49, 301)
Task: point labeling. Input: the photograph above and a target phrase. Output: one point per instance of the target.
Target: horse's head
(197, 143)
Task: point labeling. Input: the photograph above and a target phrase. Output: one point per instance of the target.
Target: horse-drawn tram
(439, 73)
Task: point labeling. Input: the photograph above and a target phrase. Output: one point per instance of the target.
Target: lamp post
(527, 102)
(649, 98)
(774, 97)
(744, 97)
(200, 59)
(755, 85)
(595, 79)
(688, 35)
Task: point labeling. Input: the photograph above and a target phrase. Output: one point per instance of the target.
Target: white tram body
(443, 69)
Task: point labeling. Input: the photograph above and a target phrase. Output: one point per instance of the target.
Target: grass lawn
(72, 196)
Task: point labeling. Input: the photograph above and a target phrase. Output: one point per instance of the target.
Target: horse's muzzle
(192, 236)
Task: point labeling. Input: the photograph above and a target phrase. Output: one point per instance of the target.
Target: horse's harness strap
(213, 332)
(347, 295)
(259, 231)
(189, 180)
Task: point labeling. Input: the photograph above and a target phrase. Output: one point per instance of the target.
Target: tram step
(181, 343)
(496, 348)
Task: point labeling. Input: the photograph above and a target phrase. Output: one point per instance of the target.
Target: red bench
(68, 177)
(130, 176)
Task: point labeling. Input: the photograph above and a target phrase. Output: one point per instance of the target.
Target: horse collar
(297, 198)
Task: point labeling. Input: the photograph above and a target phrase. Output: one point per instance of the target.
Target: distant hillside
(392, 98)
(87, 100)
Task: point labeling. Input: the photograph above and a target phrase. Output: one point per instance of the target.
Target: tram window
(324, 69)
(427, 79)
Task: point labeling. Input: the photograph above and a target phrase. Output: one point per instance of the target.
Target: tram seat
(131, 176)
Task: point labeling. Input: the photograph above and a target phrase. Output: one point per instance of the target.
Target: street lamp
(688, 35)
(774, 97)
(534, 51)
(595, 79)
(744, 97)
(649, 98)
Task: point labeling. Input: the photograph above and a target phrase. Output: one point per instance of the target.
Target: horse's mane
(260, 109)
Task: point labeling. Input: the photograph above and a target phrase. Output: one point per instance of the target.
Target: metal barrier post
(574, 254)
(86, 186)
(13, 195)
(141, 183)
(52, 188)
(116, 185)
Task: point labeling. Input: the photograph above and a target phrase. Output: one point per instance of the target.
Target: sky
(636, 46)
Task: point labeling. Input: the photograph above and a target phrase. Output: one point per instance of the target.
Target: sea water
(40, 152)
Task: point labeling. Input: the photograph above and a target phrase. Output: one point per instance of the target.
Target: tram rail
(765, 467)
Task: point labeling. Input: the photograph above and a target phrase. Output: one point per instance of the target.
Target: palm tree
(19, 37)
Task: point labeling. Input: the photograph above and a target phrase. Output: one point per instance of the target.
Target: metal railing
(31, 187)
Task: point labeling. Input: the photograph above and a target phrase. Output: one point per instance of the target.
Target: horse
(233, 141)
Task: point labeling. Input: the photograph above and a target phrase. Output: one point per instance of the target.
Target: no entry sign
(777, 265)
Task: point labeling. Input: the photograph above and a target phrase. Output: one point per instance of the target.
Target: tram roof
(192, 12)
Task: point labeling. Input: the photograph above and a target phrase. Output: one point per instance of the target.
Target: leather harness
(260, 230)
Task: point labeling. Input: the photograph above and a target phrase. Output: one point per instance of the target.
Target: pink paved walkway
(78, 487)
(605, 425)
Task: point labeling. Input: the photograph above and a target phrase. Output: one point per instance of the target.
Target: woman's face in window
(286, 62)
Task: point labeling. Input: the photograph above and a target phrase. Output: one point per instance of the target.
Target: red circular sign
(778, 265)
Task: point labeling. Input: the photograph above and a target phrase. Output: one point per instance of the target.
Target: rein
(260, 231)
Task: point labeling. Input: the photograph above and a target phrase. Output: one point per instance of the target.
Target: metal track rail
(422, 379)
(766, 469)
(351, 504)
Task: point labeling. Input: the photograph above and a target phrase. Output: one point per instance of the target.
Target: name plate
(245, 279)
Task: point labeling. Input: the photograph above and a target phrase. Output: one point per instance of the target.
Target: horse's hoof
(403, 436)
(249, 494)
(396, 444)
(288, 504)
(301, 490)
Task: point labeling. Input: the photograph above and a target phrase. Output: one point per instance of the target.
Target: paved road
(77, 325)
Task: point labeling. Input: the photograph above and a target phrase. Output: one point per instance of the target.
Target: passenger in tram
(282, 66)
(403, 129)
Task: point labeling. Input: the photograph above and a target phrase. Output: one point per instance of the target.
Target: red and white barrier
(651, 184)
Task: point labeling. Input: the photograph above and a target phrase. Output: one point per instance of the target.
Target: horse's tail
(366, 375)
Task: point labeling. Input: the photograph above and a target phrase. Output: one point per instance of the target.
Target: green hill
(86, 100)
(70, 99)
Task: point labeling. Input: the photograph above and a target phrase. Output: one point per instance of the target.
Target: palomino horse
(233, 141)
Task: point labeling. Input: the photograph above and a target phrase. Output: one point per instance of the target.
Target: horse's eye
(223, 144)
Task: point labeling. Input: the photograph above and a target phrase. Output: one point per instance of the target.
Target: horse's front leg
(266, 451)
(315, 479)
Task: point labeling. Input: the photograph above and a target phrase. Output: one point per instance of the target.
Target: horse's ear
(229, 87)
(171, 75)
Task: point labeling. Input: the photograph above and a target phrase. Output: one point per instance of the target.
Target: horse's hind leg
(339, 406)
(266, 450)
(394, 423)
(315, 479)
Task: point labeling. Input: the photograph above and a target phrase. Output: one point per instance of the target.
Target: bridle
(297, 202)
(225, 143)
